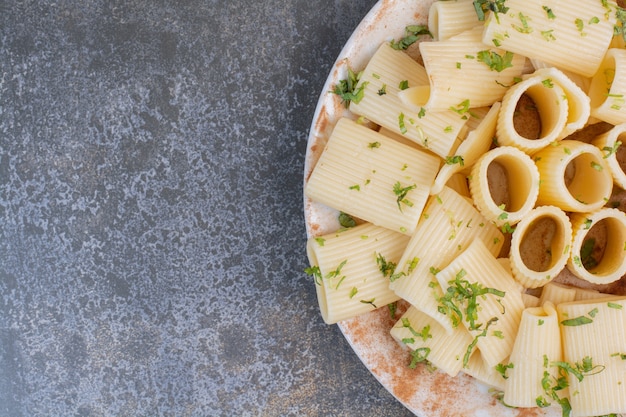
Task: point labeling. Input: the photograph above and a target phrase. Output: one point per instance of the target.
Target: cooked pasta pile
(477, 179)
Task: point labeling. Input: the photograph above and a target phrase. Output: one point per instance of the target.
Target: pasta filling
(526, 120)
(537, 244)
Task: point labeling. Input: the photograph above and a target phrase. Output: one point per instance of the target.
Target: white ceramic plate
(425, 393)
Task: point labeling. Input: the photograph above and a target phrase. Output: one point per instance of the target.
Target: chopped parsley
(419, 355)
(401, 193)
(495, 61)
(502, 368)
(453, 160)
(345, 220)
(424, 334)
(610, 150)
(315, 272)
(586, 254)
(347, 89)
(483, 6)
(404, 84)
(549, 12)
(387, 268)
(461, 300)
(412, 34)
(370, 302)
(373, 145)
(525, 28)
(401, 124)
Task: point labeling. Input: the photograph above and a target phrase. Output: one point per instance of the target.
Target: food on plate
(477, 170)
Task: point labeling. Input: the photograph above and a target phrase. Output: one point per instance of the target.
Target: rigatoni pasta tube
(504, 183)
(351, 275)
(388, 72)
(449, 18)
(570, 35)
(556, 293)
(594, 340)
(540, 246)
(574, 176)
(421, 333)
(373, 177)
(578, 103)
(538, 343)
(552, 106)
(483, 297)
(608, 88)
(611, 143)
(599, 246)
(448, 226)
(476, 144)
(450, 63)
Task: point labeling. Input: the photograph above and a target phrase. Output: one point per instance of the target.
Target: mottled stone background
(151, 228)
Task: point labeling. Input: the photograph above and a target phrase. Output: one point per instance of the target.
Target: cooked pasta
(443, 349)
(514, 176)
(463, 54)
(351, 279)
(538, 339)
(448, 226)
(498, 310)
(598, 246)
(556, 293)
(372, 177)
(449, 18)
(598, 387)
(552, 105)
(611, 145)
(481, 197)
(608, 88)
(386, 73)
(570, 35)
(574, 176)
(540, 246)
(477, 143)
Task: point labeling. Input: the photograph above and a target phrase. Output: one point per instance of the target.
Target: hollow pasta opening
(603, 247)
(542, 244)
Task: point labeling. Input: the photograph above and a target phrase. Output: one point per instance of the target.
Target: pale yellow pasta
(530, 300)
(450, 63)
(608, 88)
(477, 143)
(486, 374)
(611, 145)
(350, 281)
(445, 350)
(557, 293)
(449, 18)
(552, 106)
(439, 132)
(498, 314)
(578, 103)
(571, 35)
(540, 246)
(458, 182)
(574, 176)
(513, 172)
(594, 336)
(538, 339)
(581, 81)
(448, 226)
(589, 294)
(373, 177)
(598, 246)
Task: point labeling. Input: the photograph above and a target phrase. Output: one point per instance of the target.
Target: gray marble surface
(152, 239)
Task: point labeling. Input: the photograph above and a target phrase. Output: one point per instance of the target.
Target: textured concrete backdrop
(152, 239)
